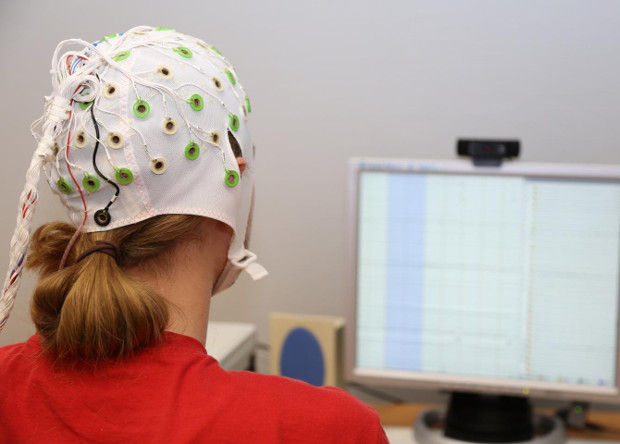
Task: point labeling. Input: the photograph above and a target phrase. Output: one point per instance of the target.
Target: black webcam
(488, 152)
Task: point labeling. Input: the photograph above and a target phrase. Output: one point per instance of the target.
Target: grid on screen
(491, 276)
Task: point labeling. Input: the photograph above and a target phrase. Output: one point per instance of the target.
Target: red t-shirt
(173, 392)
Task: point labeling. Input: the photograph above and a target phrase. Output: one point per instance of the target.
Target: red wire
(67, 158)
(67, 148)
(77, 232)
(69, 166)
(25, 207)
(69, 64)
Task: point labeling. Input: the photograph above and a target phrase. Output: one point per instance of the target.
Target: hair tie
(102, 247)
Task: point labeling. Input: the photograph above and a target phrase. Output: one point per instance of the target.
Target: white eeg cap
(163, 105)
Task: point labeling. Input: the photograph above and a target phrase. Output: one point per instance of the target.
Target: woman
(145, 140)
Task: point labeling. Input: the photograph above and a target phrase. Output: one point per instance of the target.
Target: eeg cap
(140, 124)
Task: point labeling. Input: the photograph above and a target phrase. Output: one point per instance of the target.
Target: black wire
(601, 428)
(592, 426)
(99, 173)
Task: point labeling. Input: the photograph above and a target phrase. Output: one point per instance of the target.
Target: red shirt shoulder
(321, 414)
(172, 392)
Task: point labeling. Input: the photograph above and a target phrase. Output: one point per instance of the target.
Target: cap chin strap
(234, 267)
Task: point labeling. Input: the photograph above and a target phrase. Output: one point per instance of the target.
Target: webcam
(488, 152)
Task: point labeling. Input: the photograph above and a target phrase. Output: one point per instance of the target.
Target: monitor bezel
(434, 381)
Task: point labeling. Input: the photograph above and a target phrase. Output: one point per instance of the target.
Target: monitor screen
(496, 277)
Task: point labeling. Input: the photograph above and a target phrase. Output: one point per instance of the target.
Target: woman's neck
(187, 285)
(188, 298)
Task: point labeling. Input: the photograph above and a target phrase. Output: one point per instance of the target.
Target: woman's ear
(242, 164)
(236, 149)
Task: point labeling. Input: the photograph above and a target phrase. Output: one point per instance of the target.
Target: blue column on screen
(405, 271)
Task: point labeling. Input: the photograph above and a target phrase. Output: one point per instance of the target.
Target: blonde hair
(93, 310)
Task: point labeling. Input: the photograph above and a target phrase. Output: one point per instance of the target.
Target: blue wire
(21, 259)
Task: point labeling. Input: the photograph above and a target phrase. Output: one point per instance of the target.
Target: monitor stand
(489, 418)
(473, 417)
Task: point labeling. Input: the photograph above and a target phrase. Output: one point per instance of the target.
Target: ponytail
(92, 309)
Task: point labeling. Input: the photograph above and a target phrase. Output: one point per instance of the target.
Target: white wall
(330, 80)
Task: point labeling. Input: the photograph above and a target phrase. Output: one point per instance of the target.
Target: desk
(397, 420)
(231, 343)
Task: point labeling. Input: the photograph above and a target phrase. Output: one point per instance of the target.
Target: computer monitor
(497, 280)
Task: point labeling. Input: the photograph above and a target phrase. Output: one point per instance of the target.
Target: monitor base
(485, 419)
(489, 418)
